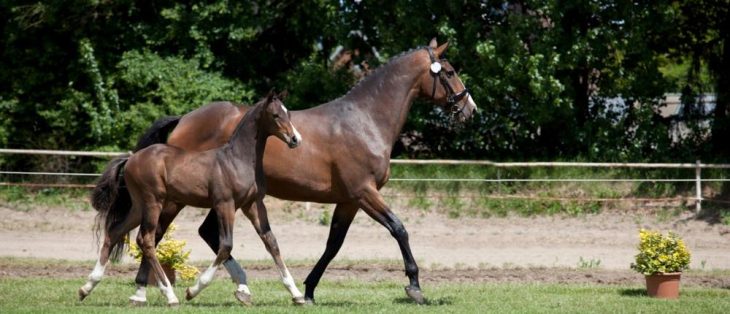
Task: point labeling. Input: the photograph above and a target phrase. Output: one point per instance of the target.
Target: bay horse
(224, 179)
(346, 159)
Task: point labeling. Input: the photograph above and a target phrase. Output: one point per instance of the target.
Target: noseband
(452, 98)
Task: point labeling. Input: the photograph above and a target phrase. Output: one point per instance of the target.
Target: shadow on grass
(429, 301)
(636, 292)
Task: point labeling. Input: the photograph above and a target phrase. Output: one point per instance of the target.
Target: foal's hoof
(415, 294)
(82, 294)
(137, 303)
(308, 301)
(243, 297)
(299, 301)
(173, 305)
(188, 295)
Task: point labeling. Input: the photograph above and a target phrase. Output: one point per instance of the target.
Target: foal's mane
(251, 116)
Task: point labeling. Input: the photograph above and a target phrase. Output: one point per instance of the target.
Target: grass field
(45, 295)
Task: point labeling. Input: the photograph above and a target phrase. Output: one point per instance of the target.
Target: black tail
(110, 196)
(157, 133)
(112, 201)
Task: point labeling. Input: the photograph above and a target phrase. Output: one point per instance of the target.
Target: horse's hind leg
(168, 214)
(209, 232)
(226, 212)
(374, 205)
(341, 220)
(258, 217)
(146, 242)
(112, 237)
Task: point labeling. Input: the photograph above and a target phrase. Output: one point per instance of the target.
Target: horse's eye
(276, 116)
(450, 74)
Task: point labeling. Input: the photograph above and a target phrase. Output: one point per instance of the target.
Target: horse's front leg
(226, 214)
(209, 232)
(258, 217)
(374, 205)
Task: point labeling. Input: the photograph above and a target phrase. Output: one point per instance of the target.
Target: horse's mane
(376, 74)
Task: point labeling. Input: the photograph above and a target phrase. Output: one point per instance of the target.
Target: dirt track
(464, 249)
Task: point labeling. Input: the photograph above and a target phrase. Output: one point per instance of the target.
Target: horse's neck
(388, 98)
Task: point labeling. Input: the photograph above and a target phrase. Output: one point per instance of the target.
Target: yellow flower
(169, 251)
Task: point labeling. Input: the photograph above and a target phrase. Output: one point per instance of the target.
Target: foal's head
(441, 83)
(277, 120)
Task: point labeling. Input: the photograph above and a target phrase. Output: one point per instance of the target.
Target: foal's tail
(110, 196)
(111, 200)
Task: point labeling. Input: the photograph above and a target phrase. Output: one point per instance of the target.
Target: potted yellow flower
(171, 255)
(661, 259)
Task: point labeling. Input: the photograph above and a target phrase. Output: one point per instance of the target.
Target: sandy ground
(436, 240)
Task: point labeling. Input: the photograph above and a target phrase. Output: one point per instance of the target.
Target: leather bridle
(452, 98)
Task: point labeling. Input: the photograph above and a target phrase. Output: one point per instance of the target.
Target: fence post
(698, 185)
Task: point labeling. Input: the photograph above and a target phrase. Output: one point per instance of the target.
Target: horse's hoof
(173, 305)
(415, 294)
(82, 294)
(137, 303)
(243, 297)
(308, 301)
(188, 296)
(299, 301)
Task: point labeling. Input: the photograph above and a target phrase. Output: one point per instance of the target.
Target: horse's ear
(441, 49)
(283, 95)
(271, 95)
(433, 44)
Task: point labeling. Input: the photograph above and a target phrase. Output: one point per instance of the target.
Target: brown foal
(166, 177)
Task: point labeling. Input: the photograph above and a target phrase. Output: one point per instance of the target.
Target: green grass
(46, 295)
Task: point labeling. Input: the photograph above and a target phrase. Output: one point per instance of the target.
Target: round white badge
(435, 67)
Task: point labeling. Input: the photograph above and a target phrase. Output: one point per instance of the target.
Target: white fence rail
(698, 166)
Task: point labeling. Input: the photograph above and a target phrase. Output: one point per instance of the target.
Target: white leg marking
(95, 277)
(140, 295)
(167, 291)
(203, 280)
(288, 281)
(243, 288)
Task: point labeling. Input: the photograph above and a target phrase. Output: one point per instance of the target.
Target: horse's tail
(112, 201)
(158, 132)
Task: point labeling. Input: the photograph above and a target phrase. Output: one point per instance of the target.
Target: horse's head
(278, 120)
(441, 83)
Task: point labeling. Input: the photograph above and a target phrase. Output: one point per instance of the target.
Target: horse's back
(207, 127)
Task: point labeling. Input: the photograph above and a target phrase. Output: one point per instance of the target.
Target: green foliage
(660, 253)
(153, 86)
(553, 79)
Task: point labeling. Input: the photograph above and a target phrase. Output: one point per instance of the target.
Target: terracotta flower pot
(663, 285)
(169, 272)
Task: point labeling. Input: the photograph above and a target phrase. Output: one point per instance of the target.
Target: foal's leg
(111, 238)
(168, 214)
(226, 214)
(341, 220)
(373, 204)
(209, 232)
(258, 217)
(146, 242)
